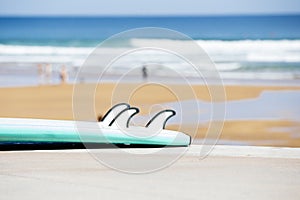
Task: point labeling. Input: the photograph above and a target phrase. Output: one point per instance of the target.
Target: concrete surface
(230, 172)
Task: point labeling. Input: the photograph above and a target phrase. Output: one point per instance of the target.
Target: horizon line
(148, 15)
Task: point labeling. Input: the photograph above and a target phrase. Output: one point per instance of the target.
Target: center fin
(123, 118)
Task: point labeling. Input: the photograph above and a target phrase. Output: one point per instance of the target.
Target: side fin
(113, 112)
(123, 118)
(160, 119)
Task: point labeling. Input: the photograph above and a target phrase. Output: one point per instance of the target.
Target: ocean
(242, 47)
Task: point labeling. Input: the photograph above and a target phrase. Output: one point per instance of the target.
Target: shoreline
(32, 81)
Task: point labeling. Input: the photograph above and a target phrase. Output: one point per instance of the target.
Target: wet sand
(55, 102)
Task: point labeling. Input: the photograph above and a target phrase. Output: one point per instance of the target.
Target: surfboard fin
(113, 112)
(160, 119)
(123, 118)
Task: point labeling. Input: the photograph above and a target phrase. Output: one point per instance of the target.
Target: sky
(146, 7)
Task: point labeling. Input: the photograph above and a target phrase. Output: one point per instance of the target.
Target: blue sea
(242, 47)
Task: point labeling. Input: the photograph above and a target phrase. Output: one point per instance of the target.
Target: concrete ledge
(230, 172)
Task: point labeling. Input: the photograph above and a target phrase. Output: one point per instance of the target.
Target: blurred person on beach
(48, 73)
(63, 75)
(145, 72)
(40, 69)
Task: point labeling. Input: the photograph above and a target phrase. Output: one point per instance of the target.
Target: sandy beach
(55, 102)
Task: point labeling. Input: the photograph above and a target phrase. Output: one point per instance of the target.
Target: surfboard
(114, 128)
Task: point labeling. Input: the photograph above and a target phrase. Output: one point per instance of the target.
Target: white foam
(228, 66)
(243, 50)
(253, 50)
(43, 50)
(219, 51)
